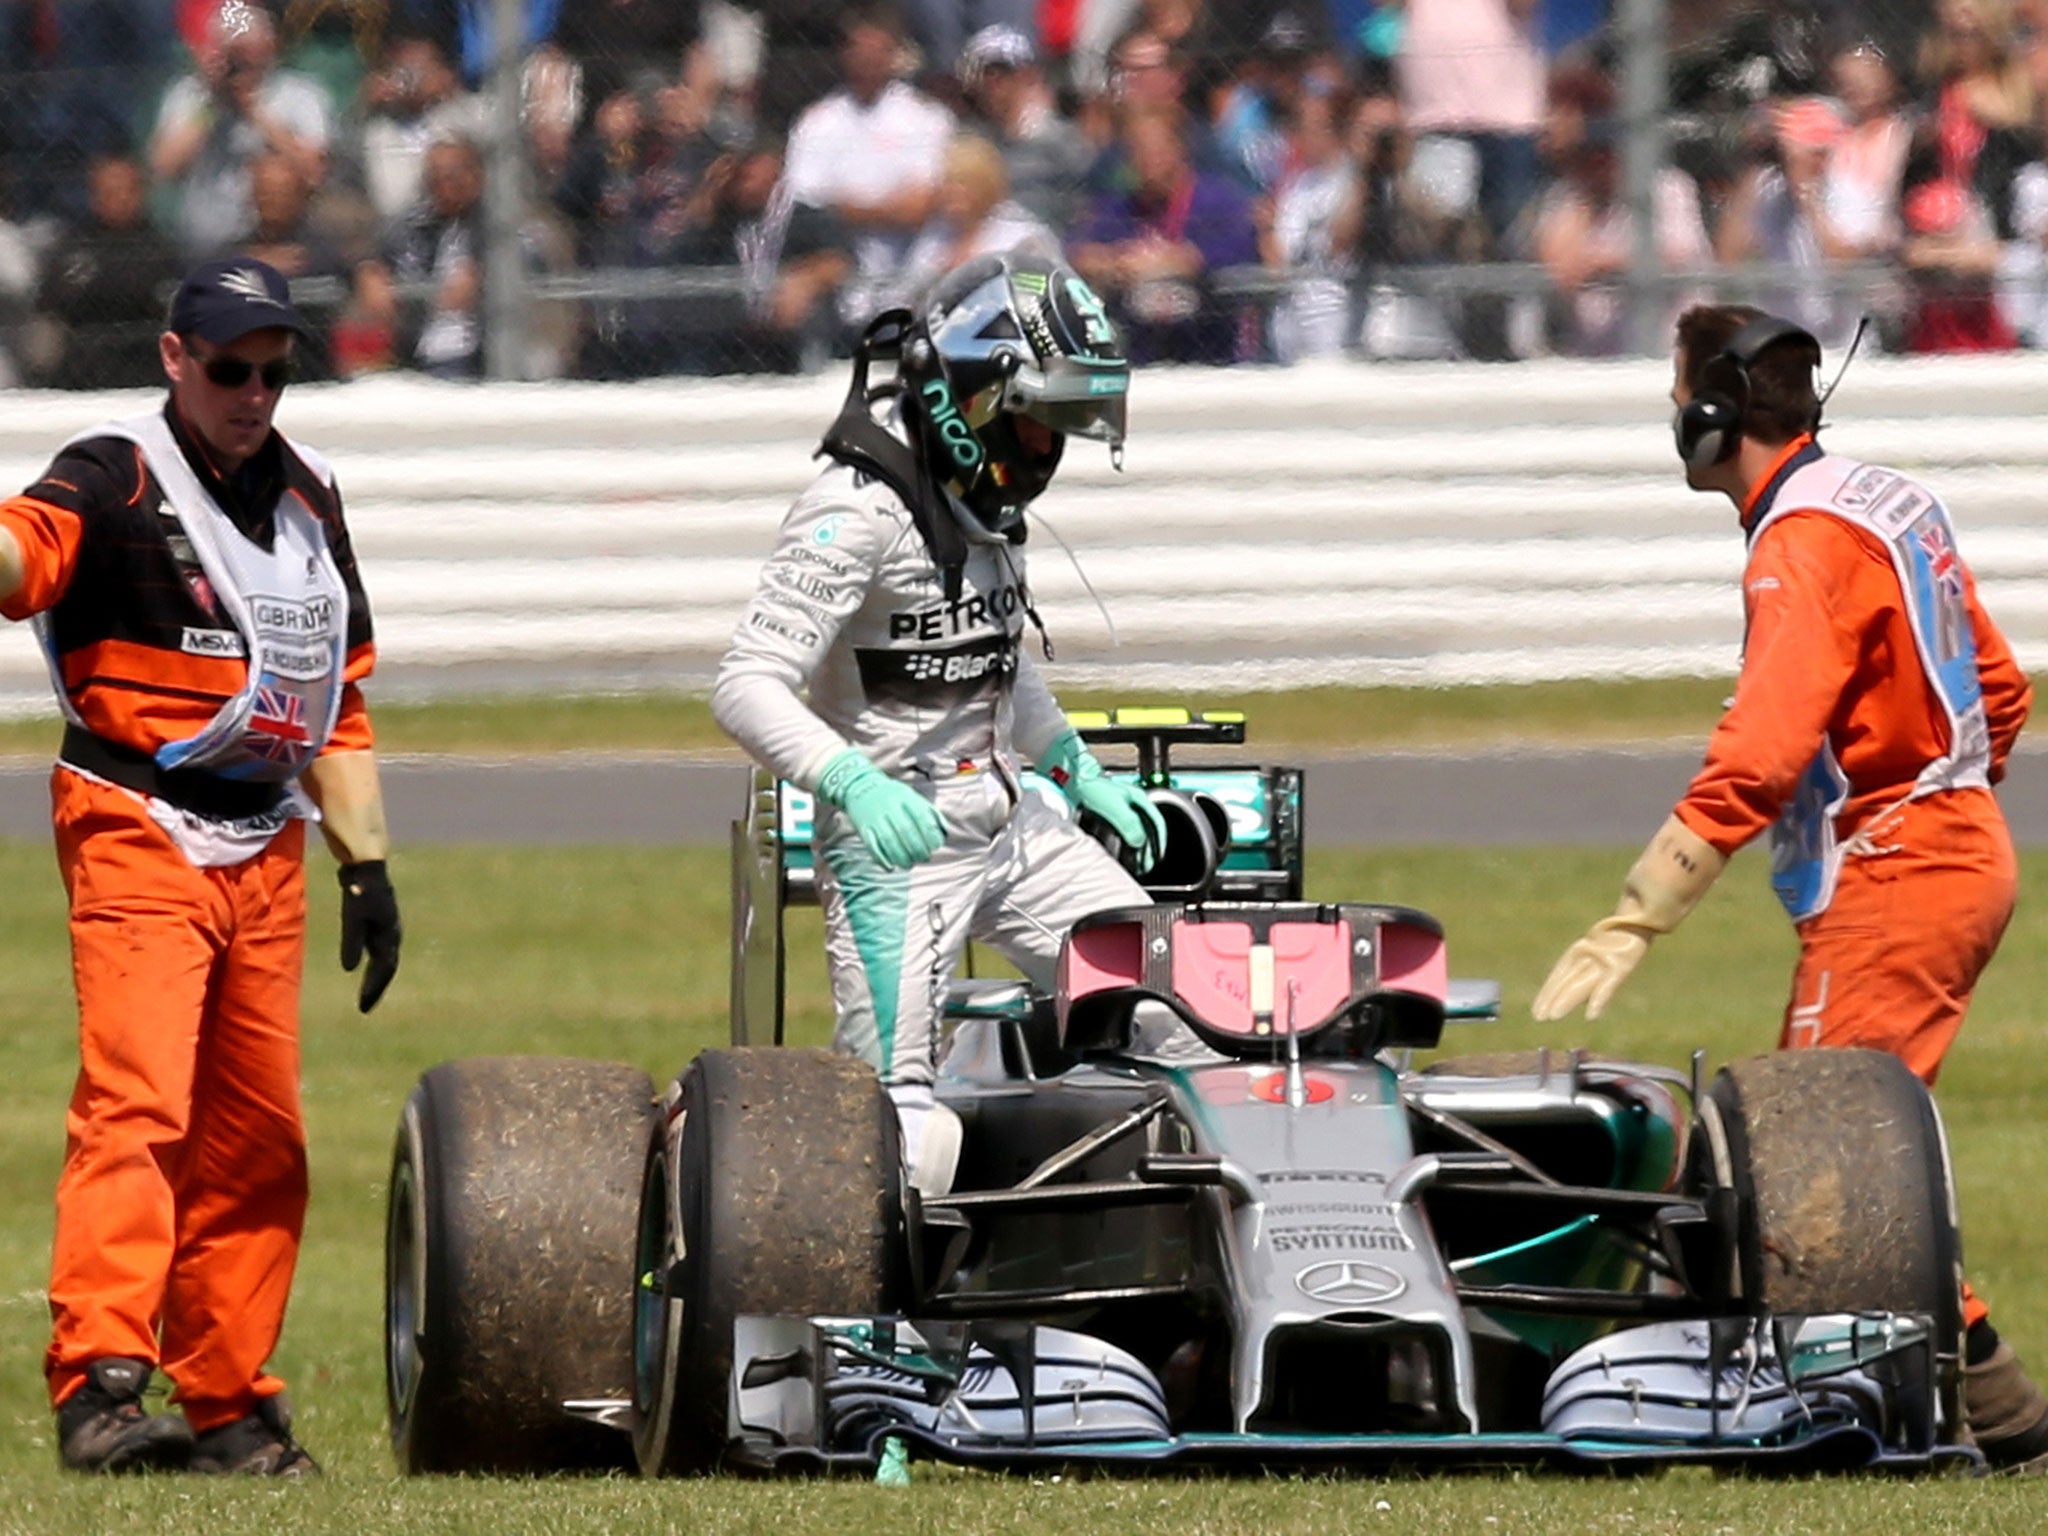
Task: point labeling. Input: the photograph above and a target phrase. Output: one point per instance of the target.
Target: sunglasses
(234, 372)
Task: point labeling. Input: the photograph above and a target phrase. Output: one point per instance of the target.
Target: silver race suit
(941, 694)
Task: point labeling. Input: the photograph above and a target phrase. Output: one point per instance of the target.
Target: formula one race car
(1207, 1210)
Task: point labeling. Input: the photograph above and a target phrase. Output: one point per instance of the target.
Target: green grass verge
(620, 953)
(1329, 719)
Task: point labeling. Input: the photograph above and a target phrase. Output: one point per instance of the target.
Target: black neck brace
(858, 441)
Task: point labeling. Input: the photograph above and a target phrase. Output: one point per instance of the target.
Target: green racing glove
(899, 826)
(1126, 807)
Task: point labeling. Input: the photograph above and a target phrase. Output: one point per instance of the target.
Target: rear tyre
(507, 1289)
(1844, 1200)
(775, 1188)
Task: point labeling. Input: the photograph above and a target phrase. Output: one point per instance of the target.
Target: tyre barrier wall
(1337, 522)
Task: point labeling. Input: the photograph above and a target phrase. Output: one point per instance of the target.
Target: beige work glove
(11, 572)
(1665, 884)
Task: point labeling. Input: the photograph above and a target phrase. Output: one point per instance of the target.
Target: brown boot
(258, 1444)
(2008, 1414)
(103, 1427)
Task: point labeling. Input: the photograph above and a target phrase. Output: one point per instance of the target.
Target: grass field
(620, 953)
(1324, 718)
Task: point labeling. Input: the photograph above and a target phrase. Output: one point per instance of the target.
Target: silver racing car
(1208, 1209)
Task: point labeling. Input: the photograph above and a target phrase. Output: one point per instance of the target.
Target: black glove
(369, 924)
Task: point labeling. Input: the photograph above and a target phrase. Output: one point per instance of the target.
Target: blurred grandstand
(631, 188)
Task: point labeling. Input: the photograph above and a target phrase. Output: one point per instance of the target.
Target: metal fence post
(505, 295)
(1645, 106)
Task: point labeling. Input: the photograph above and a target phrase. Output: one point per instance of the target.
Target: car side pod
(1257, 980)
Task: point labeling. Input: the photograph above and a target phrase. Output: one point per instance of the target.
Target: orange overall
(184, 1187)
(1927, 884)
(184, 1183)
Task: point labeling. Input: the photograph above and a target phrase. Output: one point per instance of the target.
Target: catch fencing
(1273, 528)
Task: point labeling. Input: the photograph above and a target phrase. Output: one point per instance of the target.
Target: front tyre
(773, 1187)
(1844, 1200)
(509, 1224)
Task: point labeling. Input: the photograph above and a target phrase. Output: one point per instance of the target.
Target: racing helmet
(1004, 337)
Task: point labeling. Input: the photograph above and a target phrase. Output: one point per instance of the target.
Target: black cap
(225, 299)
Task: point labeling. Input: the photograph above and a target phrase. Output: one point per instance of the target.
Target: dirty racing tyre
(1844, 1200)
(508, 1277)
(775, 1188)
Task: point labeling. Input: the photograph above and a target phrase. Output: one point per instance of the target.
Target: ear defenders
(1709, 425)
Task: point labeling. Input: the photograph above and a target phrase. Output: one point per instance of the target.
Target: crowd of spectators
(1244, 180)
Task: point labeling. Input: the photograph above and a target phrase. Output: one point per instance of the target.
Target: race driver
(1877, 705)
(191, 581)
(881, 666)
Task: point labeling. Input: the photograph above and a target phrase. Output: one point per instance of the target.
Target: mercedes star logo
(1349, 1283)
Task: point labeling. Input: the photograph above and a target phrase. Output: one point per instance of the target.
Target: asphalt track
(1496, 799)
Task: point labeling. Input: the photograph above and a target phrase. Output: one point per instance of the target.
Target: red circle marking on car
(1316, 1090)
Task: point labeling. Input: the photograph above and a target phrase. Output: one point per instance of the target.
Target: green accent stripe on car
(1527, 1245)
(877, 910)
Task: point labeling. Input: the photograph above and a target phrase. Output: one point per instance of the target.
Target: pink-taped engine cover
(1212, 967)
(1102, 959)
(1212, 972)
(1316, 957)
(1412, 960)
